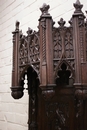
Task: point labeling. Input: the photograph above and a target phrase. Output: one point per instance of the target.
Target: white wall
(13, 113)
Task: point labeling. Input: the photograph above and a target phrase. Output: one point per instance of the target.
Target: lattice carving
(63, 45)
(57, 45)
(34, 49)
(69, 52)
(29, 53)
(23, 51)
(55, 62)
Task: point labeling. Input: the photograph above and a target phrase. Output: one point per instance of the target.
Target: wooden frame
(55, 61)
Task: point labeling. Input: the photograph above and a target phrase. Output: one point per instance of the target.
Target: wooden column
(46, 48)
(79, 43)
(17, 91)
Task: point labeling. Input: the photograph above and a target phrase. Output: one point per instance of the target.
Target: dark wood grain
(55, 62)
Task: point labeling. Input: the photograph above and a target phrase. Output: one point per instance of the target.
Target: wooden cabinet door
(62, 112)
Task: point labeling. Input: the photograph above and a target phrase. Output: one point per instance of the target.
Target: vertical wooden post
(17, 91)
(78, 42)
(15, 55)
(46, 47)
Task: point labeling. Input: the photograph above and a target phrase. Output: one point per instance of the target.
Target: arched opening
(32, 83)
(64, 75)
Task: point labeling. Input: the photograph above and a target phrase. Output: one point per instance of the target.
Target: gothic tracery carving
(58, 56)
(63, 45)
(29, 53)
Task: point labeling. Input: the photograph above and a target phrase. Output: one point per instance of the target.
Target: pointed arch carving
(57, 41)
(29, 51)
(34, 48)
(23, 51)
(63, 44)
(64, 73)
(55, 62)
(69, 51)
(25, 71)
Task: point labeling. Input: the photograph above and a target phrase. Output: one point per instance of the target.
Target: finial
(78, 6)
(17, 25)
(29, 31)
(61, 22)
(44, 9)
(78, 2)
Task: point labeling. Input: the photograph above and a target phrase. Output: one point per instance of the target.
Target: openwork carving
(57, 45)
(63, 52)
(23, 51)
(69, 50)
(29, 51)
(34, 50)
(63, 44)
(64, 74)
(54, 59)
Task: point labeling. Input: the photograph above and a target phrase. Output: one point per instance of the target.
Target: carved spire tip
(44, 9)
(78, 2)
(78, 6)
(17, 25)
(29, 31)
(61, 22)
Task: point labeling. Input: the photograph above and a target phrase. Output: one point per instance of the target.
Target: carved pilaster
(46, 51)
(17, 91)
(79, 42)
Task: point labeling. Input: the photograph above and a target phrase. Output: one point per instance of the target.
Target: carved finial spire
(29, 32)
(78, 2)
(78, 6)
(61, 22)
(17, 25)
(44, 9)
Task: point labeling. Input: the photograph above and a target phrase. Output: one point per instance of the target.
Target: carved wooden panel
(55, 62)
(63, 45)
(58, 114)
(29, 51)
